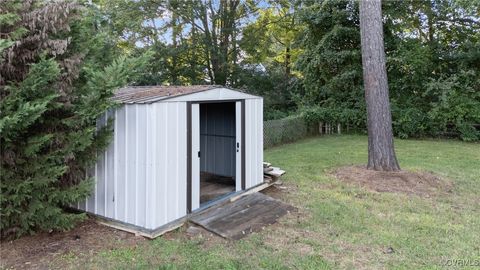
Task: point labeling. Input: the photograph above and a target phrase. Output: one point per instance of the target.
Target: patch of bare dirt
(273, 191)
(279, 190)
(408, 182)
(285, 233)
(204, 238)
(38, 251)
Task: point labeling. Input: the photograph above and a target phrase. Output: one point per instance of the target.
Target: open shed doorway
(218, 147)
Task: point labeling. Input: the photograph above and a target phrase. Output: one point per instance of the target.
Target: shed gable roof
(145, 94)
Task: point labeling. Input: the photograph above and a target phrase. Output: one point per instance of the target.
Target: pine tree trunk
(381, 152)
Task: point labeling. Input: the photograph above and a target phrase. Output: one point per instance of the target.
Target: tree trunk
(209, 43)
(381, 152)
(287, 62)
(175, 33)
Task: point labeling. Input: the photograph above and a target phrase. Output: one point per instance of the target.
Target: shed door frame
(190, 156)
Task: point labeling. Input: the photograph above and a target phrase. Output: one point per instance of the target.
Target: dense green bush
(410, 122)
(57, 78)
(456, 103)
(272, 86)
(354, 118)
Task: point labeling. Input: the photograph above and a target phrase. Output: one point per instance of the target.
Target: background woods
(304, 56)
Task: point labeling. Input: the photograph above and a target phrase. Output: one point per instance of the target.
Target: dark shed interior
(218, 151)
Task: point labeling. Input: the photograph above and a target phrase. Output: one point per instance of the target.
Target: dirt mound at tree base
(418, 183)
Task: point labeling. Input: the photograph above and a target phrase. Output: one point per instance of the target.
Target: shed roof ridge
(153, 93)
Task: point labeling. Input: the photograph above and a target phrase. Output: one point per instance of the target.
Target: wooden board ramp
(237, 219)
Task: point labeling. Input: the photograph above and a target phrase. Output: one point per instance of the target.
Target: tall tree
(271, 38)
(381, 152)
(218, 22)
(270, 48)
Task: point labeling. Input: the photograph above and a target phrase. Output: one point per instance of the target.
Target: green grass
(339, 225)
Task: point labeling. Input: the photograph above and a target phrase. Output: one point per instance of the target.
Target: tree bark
(381, 152)
(287, 62)
(175, 33)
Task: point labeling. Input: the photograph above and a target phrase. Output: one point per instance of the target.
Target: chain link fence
(285, 130)
(294, 128)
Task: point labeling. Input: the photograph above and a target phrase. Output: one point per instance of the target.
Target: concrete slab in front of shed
(235, 220)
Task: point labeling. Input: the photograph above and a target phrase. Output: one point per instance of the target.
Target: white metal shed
(166, 139)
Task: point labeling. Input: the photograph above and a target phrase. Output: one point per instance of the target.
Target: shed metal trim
(189, 157)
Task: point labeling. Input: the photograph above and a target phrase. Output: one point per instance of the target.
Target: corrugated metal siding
(167, 156)
(120, 170)
(110, 167)
(253, 142)
(217, 138)
(141, 177)
(130, 162)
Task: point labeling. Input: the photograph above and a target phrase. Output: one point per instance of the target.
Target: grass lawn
(338, 225)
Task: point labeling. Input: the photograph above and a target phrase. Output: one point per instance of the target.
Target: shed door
(195, 156)
(194, 193)
(239, 146)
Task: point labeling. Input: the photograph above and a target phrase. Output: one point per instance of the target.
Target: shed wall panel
(248, 144)
(120, 140)
(90, 203)
(131, 162)
(100, 187)
(182, 160)
(253, 142)
(260, 139)
(176, 159)
(168, 141)
(164, 164)
(110, 174)
(158, 147)
(170, 169)
(151, 145)
(141, 168)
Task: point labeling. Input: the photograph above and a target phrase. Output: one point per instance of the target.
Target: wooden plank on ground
(267, 179)
(267, 169)
(276, 172)
(151, 234)
(237, 219)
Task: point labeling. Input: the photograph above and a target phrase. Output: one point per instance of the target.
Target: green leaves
(49, 117)
(331, 62)
(432, 61)
(8, 20)
(455, 102)
(28, 100)
(102, 83)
